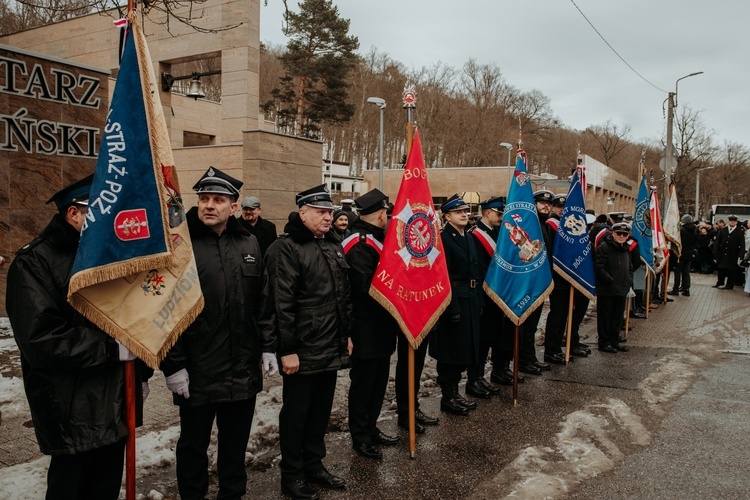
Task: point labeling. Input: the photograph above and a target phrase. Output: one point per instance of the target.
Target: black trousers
(580, 306)
(402, 375)
(527, 334)
(477, 371)
(233, 421)
(89, 474)
(449, 374)
(682, 275)
(303, 421)
(557, 319)
(726, 274)
(369, 379)
(609, 318)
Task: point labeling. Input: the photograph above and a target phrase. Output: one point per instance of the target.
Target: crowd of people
(299, 303)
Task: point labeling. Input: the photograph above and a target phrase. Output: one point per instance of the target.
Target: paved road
(669, 419)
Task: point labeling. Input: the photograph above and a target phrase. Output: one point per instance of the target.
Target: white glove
(145, 390)
(630, 294)
(178, 383)
(270, 365)
(124, 353)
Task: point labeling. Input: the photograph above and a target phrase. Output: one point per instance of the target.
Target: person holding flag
(72, 371)
(214, 368)
(374, 332)
(455, 344)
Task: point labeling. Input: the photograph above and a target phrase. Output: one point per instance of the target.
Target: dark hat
(544, 195)
(627, 218)
(732, 217)
(687, 218)
(217, 182)
(340, 213)
(496, 202)
(601, 218)
(371, 202)
(616, 216)
(559, 200)
(76, 193)
(455, 202)
(318, 197)
(250, 202)
(590, 211)
(621, 226)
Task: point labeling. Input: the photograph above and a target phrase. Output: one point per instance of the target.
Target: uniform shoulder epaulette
(28, 246)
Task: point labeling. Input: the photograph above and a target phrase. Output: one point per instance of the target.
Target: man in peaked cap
(375, 330)
(312, 319)
(221, 382)
(251, 219)
(455, 344)
(613, 270)
(66, 360)
(557, 205)
(616, 217)
(728, 248)
(495, 329)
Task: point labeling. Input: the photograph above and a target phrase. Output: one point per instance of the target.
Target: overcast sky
(549, 46)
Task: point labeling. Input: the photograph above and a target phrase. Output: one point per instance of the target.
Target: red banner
(411, 280)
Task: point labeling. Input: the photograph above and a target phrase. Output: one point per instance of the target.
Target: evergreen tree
(319, 56)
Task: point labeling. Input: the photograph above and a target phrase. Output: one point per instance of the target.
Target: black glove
(455, 318)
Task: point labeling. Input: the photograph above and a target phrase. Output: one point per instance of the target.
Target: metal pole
(697, 190)
(381, 148)
(669, 154)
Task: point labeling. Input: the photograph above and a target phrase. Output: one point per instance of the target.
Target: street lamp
(697, 189)
(377, 101)
(509, 146)
(669, 161)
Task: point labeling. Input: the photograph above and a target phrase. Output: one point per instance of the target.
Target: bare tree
(611, 139)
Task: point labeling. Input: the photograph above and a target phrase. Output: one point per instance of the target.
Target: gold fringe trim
(573, 282)
(517, 320)
(388, 306)
(109, 272)
(103, 322)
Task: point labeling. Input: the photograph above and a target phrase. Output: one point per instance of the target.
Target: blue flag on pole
(642, 224)
(571, 253)
(519, 277)
(135, 275)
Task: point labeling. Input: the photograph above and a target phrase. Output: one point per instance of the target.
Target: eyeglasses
(622, 233)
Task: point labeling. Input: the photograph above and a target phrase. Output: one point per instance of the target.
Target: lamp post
(509, 146)
(698, 189)
(669, 160)
(377, 101)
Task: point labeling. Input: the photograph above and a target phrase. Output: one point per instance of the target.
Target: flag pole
(569, 325)
(515, 365)
(409, 99)
(627, 317)
(648, 292)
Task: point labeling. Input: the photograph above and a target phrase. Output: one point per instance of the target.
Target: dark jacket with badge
(613, 268)
(72, 375)
(457, 342)
(311, 297)
(493, 322)
(375, 331)
(729, 247)
(221, 350)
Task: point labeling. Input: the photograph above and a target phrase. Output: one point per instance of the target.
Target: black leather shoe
(418, 428)
(298, 489)
(453, 407)
(469, 405)
(474, 388)
(367, 450)
(673, 292)
(585, 348)
(726, 287)
(502, 378)
(556, 358)
(622, 339)
(492, 389)
(608, 348)
(530, 369)
(716, 285)
(326, 479)
(686, 293)
(380, 438)
(510, 374)
(622, 348)
(426, 419)
(580, 352)
(637, 315)
(545, 367)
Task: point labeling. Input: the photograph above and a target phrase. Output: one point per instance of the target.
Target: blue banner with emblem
(572, 257)
(642, 224)
(519, 277)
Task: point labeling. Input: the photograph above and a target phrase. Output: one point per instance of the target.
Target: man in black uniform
(312, 315)
(495, 329)
(529, 362)
(374, 332)
(729, 247)
(72, 375)
(264, 230)
(455, 344)
(214, 368)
